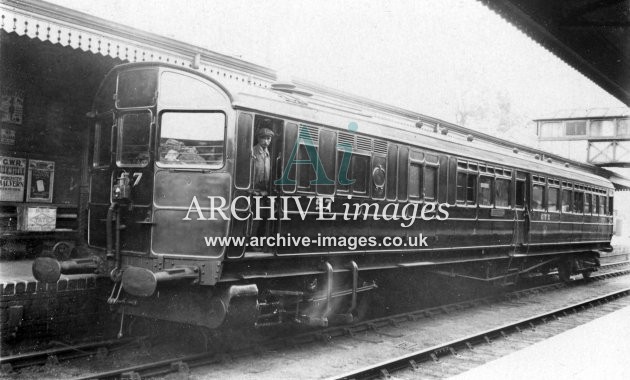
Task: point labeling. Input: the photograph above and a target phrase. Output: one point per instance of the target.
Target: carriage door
(246, 139)
(275, 149)
(242, 179)
(521, 205)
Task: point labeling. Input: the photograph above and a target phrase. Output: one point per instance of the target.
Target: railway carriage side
(170, 144)
(491, 200)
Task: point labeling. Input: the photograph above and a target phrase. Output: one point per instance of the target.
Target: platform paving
(599, 349)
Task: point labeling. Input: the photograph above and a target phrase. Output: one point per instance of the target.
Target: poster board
(7, 136)
(12, 175)
(12, 107)
(36, 218)
(41, 175)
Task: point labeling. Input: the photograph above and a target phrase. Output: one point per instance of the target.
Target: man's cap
(265, 132)
(172, 144)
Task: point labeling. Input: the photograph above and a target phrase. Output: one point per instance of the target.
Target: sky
(432, 57)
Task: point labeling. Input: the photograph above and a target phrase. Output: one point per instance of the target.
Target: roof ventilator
(289, 88)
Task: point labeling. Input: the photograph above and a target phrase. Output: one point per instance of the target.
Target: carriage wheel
(564, 270)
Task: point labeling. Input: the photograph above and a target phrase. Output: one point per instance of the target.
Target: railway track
(414, 361)
(67, 352)
(183, 364)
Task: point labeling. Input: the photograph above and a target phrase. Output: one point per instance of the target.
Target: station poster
(12, 108)
(40, 181)
(7, 136)
(12, 174)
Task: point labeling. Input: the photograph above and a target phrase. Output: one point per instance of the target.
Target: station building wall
(46, 92)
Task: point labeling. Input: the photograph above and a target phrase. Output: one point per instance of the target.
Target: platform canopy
(63, 26)
(593, 36)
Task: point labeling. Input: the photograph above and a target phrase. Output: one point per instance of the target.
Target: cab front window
(192, 139)
(135, 135)
(136, 88)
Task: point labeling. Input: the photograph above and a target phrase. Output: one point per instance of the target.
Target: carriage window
(602, 205)
(595, 204)
(502, 192)
(520, 194)
(343, 187)
(103, 144)
(306, 172)
(538, 197)
(552, 199)
(470, 188)
(466, 184)
(430, 174)
(415, 181)
(485, 191)
(357, 173)
(578, 205)
(136, 88)
(192, 138)
(566, 201)
(135, 135)
(360, 173)
(461, 187)
(587, 203)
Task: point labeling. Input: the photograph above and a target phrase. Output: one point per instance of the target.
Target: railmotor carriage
(165, 135)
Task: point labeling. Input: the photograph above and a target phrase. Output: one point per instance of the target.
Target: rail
(433, 353)
(184, 363)
(66, 352)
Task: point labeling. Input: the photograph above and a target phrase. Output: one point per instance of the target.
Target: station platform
(19, 270)
(32, 312)
(599, 349)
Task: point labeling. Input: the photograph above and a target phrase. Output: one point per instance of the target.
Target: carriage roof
(322, 110)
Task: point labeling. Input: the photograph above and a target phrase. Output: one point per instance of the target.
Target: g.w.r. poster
(12, 172)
